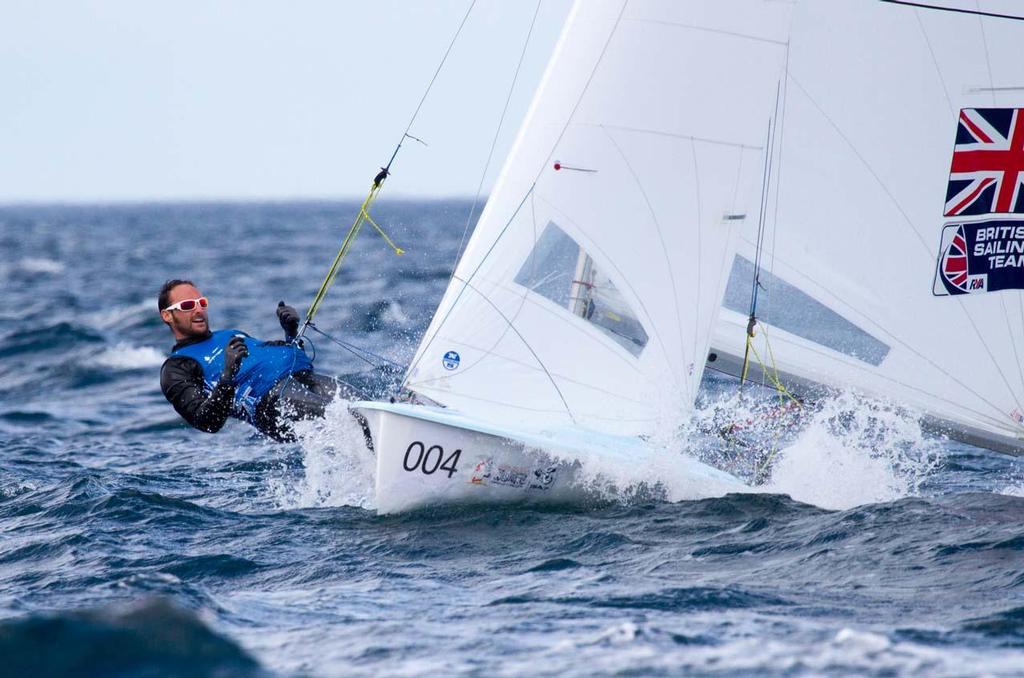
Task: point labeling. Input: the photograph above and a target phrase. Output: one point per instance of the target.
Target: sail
(588, 291)
(891, 251)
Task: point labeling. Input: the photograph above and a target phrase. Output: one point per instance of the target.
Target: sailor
(211, 376)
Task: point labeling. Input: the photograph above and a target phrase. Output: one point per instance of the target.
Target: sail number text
(429, 460)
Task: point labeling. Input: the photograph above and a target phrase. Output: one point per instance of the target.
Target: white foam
(40, 265)
(110, 317)
(855, 451)
(854, 652)
(627, 646)
(338, 468)
(127, 357)
(840, 452)
(1013, 490)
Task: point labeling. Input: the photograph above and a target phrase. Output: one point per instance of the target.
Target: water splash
(338, 468)
(855, 450)
(841, 451)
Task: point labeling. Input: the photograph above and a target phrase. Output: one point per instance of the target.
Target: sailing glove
(289, 319)
(233, 355)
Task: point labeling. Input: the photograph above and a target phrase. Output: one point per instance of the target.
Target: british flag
(954, 263)
(988, 163)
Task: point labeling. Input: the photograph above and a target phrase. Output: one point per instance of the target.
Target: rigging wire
(755, 278)
(363, 215)
(787, 400)
(527, 194)
(956, 10)
(357, 351)
(494, 142)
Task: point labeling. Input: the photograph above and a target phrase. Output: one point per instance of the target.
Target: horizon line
(219, 200)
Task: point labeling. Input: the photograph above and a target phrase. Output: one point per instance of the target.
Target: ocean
(131, 544)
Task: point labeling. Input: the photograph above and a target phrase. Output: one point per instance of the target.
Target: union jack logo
(988, 163)
(954, 261)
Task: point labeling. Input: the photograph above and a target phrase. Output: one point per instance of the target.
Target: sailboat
(679, 160)
(578, 319)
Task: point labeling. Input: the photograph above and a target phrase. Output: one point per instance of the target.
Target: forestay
(868, 282)
(587, 293)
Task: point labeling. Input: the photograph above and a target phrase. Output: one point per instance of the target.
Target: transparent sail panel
(549, 269)
(786, 307)
(560, 270)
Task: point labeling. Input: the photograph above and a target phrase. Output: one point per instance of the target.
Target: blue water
(131, 544)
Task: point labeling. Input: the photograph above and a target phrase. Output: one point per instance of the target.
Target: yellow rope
(346, 245)
(771, 375)
(398, 250)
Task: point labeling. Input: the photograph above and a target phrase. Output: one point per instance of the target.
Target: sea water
(131, 544)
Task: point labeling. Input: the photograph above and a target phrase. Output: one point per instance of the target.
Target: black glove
(289, 319)
(233, 355)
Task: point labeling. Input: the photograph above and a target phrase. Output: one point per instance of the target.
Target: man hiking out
(211, 376)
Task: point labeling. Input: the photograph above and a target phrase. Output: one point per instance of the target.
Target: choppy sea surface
(131, 544)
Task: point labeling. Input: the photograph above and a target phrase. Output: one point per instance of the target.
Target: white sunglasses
(188, 304)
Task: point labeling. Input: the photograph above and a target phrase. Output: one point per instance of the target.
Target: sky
(129, 100)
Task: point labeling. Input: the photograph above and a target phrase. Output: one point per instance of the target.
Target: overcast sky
(242, 99)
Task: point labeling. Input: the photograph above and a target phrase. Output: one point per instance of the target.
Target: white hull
(429, 456)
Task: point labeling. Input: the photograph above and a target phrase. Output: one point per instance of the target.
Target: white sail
(587, 293)
(866, 204)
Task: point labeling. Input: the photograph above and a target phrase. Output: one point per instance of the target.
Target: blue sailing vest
(260, 370)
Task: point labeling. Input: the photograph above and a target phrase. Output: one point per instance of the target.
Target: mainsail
(588, 291)
(893, 218)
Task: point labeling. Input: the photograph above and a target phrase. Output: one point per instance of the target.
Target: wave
(59, 336)
(653, 648)
(39, 265)
(124, 356)
(153, 637)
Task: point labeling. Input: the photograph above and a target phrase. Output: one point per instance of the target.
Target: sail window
(561, 271)
(786, 307)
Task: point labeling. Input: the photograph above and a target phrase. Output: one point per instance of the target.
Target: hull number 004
(430, 460)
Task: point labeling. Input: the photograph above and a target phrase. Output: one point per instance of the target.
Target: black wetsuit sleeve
(181, 380)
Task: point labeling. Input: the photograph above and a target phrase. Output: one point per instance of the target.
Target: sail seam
(988, 59)
(935, 62)
(673, 135)
(536, 357)
(706, 29)
(657, 229)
